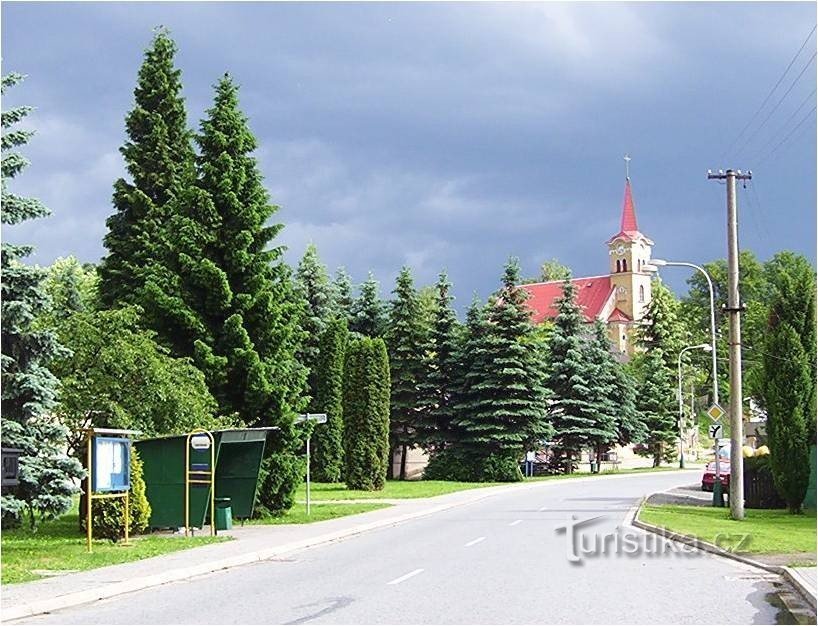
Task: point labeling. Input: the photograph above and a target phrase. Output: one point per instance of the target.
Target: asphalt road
(499, 560)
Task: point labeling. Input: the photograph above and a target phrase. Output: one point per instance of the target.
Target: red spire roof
(628, 223)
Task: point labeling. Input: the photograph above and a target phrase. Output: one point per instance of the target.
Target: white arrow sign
(715, 431)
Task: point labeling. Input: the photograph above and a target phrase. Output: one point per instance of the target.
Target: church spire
(628, 223)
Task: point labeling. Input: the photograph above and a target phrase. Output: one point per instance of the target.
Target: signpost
(318, 418)
(109, 472)
(715, 413)
(200, 473)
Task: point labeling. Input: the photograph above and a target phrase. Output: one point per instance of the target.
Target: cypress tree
(368, 316)
(366, 413)
(439, 387)
(406, 339)
(160, 161)
(505, 405)
(328, 455)
(576, 416)
(29, 389)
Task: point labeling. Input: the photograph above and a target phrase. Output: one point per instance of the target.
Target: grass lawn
(399, 489)
(59, 545)
(318, 513)
(769, 531)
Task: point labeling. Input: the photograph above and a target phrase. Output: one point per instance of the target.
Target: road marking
(515, 522)
(474, 541)
(543, 508)
(405, 577)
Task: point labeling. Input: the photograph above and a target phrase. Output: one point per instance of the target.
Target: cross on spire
(627, 166)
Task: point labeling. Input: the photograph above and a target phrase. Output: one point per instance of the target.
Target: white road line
(515, 522)
(405, 577)
(474, 541)
(543, 508)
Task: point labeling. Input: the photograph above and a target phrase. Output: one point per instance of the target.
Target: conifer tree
(368, 315)
(406, 340)
(342, 294)
(328, 451)
(661, 327)
(313, 287)
(366, 413)
(29, 389)
(504, 408)
(160, 161)
(439, 387)
(656, 404)
(576, 410)
(602, 368)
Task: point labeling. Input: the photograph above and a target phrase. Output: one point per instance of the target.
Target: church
(619, 298)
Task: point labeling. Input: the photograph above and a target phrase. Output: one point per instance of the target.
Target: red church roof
(628, 228)
(592, 294)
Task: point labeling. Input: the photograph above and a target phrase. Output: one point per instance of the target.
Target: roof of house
(592, 294)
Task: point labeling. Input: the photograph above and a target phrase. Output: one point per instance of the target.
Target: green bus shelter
(238, 455)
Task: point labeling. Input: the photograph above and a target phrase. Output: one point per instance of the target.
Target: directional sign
(715, 431)
(715, 412)
(318, 418)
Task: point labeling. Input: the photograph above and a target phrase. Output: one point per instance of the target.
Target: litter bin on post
(224, 514)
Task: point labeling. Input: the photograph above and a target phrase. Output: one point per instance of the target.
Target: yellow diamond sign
(715, 412)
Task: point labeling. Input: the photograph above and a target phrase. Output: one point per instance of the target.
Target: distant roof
(592, 294)
(619, 316)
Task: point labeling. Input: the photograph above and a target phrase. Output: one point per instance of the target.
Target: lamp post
(701, 346)
(657, 263)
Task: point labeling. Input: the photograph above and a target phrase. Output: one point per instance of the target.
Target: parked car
(709, 477)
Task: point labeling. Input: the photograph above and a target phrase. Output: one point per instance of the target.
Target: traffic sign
(318, 418)
(715, 412)
(200, 442)
(715, 431)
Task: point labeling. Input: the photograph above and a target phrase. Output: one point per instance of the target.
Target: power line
(778, 104)
(769, 95)
(784, 125)
(792, 132)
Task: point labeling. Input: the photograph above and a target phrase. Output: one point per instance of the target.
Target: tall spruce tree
(328, 450)
(661, 327)
(368, 315)
(314, 288)
(29, 389)
(576, 411)
(602, 366)
(160, 161)
(439, 385)
(342, 294)
(656, 403)
(504, 408)
(406, 338)
(366, 413)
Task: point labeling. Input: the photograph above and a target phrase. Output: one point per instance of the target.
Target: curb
(789, 574)
(144, 582)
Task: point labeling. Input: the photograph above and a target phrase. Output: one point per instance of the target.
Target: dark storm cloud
(436, 135)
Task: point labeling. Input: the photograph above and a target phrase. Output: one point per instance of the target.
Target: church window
(624, 265)
(618, 266)
(641, 293)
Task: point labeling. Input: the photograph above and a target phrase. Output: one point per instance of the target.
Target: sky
(446, 135)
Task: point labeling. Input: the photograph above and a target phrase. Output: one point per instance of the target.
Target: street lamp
(654, 266)
(707, 348)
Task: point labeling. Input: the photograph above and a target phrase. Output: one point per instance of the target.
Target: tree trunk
(403, 462)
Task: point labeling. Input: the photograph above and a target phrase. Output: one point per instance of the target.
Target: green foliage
(313, 287)
(107, 514)
(406, 336)
(72, 287)
(661, 326)
(502, 407)
(342, 295)
(366, 413)
(159, 159)
(117, 376)
(656, 403)
(435, 422)
(29, 388)
(550, 271)
(581, 379)
(367, 314)
(328, 451)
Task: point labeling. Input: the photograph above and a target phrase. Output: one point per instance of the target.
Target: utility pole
(734, 309)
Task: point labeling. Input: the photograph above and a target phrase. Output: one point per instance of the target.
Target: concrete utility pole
(734, 308)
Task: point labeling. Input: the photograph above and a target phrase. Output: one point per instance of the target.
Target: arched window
(641, 293)
(624, 265)
(618, 266)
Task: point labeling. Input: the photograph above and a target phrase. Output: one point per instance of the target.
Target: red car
(709, 478)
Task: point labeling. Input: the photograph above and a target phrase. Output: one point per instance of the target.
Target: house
(619, 298)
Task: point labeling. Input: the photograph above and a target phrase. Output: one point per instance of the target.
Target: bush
(463, 465)
(107, 512)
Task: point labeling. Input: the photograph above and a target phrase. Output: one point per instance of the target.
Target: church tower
(629, 251)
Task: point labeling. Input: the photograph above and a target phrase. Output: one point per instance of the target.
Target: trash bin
(224, 514)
